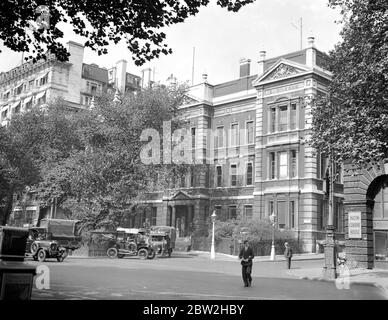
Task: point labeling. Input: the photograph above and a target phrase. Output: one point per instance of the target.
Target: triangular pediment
(281, 69)
(189, 99)
(180, 195)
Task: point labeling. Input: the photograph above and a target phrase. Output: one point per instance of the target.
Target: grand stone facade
(257, 162)
(366, 192)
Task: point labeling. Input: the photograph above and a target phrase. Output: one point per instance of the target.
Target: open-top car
(40, 247)
(130, 242)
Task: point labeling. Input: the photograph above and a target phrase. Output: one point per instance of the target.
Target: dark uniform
(288, 256)
(246, 254)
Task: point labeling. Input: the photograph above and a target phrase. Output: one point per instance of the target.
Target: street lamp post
(212, 249)
(273, 219)
(329, 268)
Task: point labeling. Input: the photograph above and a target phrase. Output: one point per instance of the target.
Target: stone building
(366, 215)
(35, 84)
(74, 81)
(256, 162)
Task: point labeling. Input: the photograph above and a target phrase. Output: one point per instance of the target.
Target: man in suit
(246, 256)
(288, 254)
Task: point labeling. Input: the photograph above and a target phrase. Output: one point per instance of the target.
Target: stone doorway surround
(359, 189)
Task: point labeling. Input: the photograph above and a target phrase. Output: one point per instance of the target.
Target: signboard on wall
(354, 224)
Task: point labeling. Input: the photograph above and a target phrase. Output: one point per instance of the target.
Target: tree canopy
(89, 162)
(352, 120)
(35, 26)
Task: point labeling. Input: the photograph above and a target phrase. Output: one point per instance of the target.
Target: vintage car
(65, 232)
(130, 242)
(40, 247)
(163, 239)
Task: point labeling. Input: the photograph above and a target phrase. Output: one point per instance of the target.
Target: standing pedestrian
(288, 254)
(246, 256)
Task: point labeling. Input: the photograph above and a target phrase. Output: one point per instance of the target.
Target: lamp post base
(272, 258)
(330, 254)
(212, 253)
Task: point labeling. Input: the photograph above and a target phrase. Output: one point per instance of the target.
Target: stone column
(190, 218)
(173, 215)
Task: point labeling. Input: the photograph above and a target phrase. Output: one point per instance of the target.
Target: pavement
(373, 277)
(188, 276)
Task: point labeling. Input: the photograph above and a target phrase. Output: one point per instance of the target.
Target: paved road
(186, 277)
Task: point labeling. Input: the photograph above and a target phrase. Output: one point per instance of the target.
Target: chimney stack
(310, 52)
(261, 62)
(245, 67)
(204, 77)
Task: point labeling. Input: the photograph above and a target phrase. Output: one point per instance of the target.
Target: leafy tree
(17, 171)
(26, 26)
(352, 121)
(89, 161)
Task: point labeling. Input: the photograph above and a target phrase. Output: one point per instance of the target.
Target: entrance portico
(180, 214)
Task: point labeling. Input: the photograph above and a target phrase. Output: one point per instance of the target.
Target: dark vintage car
(130, 242)
(65, 232)
(163, 239)
(54, 238)
(40, 247)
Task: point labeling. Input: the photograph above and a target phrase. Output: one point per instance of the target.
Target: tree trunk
(7, 209)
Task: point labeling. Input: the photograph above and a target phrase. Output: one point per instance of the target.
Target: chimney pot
(262, 55)
(310, 41)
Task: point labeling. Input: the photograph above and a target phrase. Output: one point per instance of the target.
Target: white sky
(221, 38)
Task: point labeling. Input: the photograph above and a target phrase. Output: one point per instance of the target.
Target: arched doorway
(377, 197)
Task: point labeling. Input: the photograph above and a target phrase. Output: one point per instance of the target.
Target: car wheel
(143, 253)
(112, 253)
(34, 248)
(151, 254)
(120, 256)
(41, 255)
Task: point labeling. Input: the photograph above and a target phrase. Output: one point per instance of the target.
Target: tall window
(283, 165)
(233, 175)
(248, 212)
(273, 119)
(249, 173)
(219, 138)
(293, 116)
(232, 214)
(218, 210)
(283, 117)
(219, 176)
(192, 177)
(272, 165)
(293, 171)
(321, 166)
(281, 214)
(153, 216)
(292, 214)
(271, 208)
(44, 80)
(250, 132)
(233, 135)
(193, 142)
